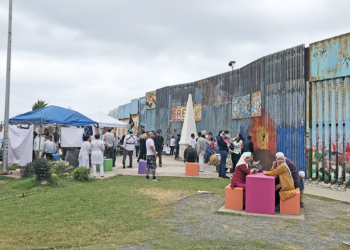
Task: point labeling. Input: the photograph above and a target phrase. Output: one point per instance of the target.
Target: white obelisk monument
(188, 127)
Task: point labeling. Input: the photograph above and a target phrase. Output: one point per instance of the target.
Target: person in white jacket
(236, 150)
(97, 149)
(84, 153)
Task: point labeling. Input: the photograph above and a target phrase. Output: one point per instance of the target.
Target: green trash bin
(107, 165)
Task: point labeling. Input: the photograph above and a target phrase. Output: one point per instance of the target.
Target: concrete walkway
(327, 193)
(172, 167)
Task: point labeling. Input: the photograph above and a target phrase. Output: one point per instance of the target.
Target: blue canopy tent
(52, 115)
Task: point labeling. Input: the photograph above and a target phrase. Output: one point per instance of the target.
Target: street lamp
(232, 64)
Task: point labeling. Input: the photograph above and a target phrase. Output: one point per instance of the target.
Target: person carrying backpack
(159, 143)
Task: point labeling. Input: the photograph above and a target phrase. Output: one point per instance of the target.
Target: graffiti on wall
(264, 139)
(151, 100)
(178, 113)
(256, 104)
(123, 131)
(241, 107)
(136, 121)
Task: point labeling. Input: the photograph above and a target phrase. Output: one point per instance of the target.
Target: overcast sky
(96, 55)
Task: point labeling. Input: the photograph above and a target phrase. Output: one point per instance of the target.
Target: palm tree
(39, 104)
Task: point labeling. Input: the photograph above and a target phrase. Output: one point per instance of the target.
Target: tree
(39, 104)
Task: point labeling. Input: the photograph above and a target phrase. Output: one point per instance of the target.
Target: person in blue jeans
(223, 148)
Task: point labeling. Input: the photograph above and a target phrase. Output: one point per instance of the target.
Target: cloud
(97, 55)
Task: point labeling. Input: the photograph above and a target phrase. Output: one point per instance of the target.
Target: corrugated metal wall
(134, 107)
(329, 96)
(279, 77)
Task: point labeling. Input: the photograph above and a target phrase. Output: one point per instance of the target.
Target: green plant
(60, 167)
(81, 174)
(42, 169)
(27, 171)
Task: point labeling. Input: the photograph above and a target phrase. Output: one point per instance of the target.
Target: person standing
(248, 145)
(84, 153)
(223, 149)
(108, 140)
(159, 143)
(137, 146)
(151, 157)
(202, 145)
(236, 147)
(192, 142)
(35, 134)
(177, 146)
(172, 145)
(49, 148)
(143, 138)
(97, 150)
(129, 147)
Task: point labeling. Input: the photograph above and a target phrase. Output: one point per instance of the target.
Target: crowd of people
(149, 147)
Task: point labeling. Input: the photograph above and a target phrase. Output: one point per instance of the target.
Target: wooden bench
(292, 205)
(192, 169)
(233, 198)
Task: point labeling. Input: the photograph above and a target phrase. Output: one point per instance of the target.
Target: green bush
(27, 171)
(81, 174)
(60, 167)
(42, 169)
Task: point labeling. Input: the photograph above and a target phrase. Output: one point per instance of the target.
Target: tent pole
(39, 138)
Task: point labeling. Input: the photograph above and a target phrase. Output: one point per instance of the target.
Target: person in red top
(241, 171)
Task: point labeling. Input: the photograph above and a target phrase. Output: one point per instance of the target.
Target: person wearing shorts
(151, 157)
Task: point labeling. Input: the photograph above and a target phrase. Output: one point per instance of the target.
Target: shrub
(60, 167)
(27, 171)
(81, 174)
(41, 168)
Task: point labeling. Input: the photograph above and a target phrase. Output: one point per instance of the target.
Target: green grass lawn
(103, 213)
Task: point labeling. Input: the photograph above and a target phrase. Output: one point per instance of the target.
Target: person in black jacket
(190, 154)
(248, 145)
(143, 138)
(177, 146)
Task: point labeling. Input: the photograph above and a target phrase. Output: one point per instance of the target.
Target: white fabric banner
(71, 137)
(20, 145)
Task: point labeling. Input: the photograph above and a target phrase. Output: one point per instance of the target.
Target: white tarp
(106, 120)
(20, 145)
(71, 137)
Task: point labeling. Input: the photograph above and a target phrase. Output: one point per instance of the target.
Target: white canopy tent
(106, 121)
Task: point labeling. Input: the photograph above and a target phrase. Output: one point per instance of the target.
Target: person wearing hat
(129, 147)
(301, 187)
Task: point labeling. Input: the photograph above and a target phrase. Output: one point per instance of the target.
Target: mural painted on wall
(178, 113)
(256, 104)
(136, 121)
(241, 107)
(123, 131)
(151, 100)
(264, 139)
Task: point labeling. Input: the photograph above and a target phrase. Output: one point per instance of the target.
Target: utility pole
(232, 64)
(5, 154)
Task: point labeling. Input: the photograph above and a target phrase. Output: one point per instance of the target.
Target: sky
(96, 55)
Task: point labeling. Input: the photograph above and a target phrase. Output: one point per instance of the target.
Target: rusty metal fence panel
(281, 127)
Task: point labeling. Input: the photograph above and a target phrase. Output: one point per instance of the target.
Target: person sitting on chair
(190, 154)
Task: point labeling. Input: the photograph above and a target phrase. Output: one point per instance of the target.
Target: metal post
(7, 93)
